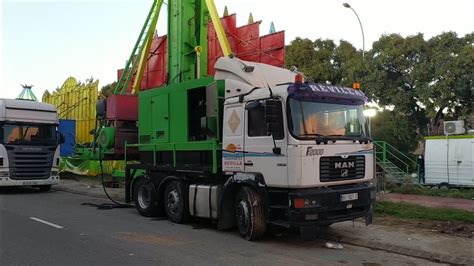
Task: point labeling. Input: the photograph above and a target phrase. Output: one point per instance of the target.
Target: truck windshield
(311, 119)
(29, 134)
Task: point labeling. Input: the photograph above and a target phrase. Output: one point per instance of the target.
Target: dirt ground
(427, 226)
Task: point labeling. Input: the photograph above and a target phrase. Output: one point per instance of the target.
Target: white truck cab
(308, 143)
(29, 144)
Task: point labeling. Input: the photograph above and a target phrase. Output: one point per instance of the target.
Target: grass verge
(410, 211)
(462, 193)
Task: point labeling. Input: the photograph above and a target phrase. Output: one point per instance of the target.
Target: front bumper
(6, 181)
(330, 208)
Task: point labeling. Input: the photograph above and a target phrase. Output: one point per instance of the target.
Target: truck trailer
(254, 146)
(29, 144)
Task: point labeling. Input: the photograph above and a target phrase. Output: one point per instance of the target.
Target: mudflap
(368, 218)
(309, 233)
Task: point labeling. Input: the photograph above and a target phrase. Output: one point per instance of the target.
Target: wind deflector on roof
(331, 93)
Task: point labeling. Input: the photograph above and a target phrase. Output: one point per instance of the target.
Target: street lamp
(346, 5)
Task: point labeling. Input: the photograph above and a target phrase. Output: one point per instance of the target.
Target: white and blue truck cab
(29, 144)
(306, 144)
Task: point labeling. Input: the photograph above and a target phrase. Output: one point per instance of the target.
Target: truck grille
(336, 168)
(28, 163)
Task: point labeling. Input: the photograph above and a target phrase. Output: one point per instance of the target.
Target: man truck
(29, 144)
(251, 147)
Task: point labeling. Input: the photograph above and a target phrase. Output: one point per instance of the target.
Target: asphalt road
(54, 229)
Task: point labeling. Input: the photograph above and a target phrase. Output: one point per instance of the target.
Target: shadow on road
(20, 190)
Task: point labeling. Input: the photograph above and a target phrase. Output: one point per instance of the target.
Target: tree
(348, 64)
(323, 61)
(391, 78)
(396, 129)
(108, 89)
(445, 76)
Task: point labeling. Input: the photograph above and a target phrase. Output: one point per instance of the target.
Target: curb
(399, 249)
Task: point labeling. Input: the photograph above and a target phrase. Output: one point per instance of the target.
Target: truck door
(259, 156)
(160, 118)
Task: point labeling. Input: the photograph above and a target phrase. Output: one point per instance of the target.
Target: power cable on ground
(107, 206)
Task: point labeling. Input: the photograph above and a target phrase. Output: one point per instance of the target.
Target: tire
(176, 202)
(145, 198)
(45, 188)
(250, 214)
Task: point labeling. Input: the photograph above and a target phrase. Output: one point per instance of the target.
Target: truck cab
(29, 144)
(308, 143)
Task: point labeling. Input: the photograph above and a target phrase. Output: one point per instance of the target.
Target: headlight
(305, 203)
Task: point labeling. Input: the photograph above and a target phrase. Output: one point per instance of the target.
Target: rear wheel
(45, 188)
(249, 211)
(176, 204)
(145, 197)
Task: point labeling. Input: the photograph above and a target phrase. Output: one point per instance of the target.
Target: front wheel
(250, 215)
(145, 197)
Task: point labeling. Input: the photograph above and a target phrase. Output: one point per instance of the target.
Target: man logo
(339, 165)
(344, 172)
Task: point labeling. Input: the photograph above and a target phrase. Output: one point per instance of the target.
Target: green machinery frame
(164, 115)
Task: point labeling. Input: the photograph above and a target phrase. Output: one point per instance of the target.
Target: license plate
(30, 183)
(349, 197)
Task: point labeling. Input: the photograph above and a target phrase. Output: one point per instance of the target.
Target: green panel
(145, 120)
(160, 115)
(171, 101)
(187, 28)
(165, 110)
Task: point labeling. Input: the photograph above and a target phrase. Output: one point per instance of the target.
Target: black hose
(107, 206)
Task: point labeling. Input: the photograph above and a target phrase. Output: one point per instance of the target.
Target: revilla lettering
(335, 89)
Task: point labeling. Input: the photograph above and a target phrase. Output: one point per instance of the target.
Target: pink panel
(249, 42)
(122, 107)
(244, 41)
(273, 49)
(214, 50)
(119, 74)
(156, 67)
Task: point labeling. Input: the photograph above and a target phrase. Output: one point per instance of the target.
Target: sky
(43, 42)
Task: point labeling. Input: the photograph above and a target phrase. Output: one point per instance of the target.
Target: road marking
(46, 222)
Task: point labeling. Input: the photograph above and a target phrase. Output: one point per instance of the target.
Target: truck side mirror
(62, 139)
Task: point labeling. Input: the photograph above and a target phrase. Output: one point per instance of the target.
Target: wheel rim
(243, 217)
(172, 201)
(144, 197)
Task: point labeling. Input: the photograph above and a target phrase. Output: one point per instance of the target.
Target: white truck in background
(29, 144)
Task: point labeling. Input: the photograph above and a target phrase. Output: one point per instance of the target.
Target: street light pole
(346, 5)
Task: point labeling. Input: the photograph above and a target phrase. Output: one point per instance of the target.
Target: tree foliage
(107, 90)
(420, 80)
(323, 61)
